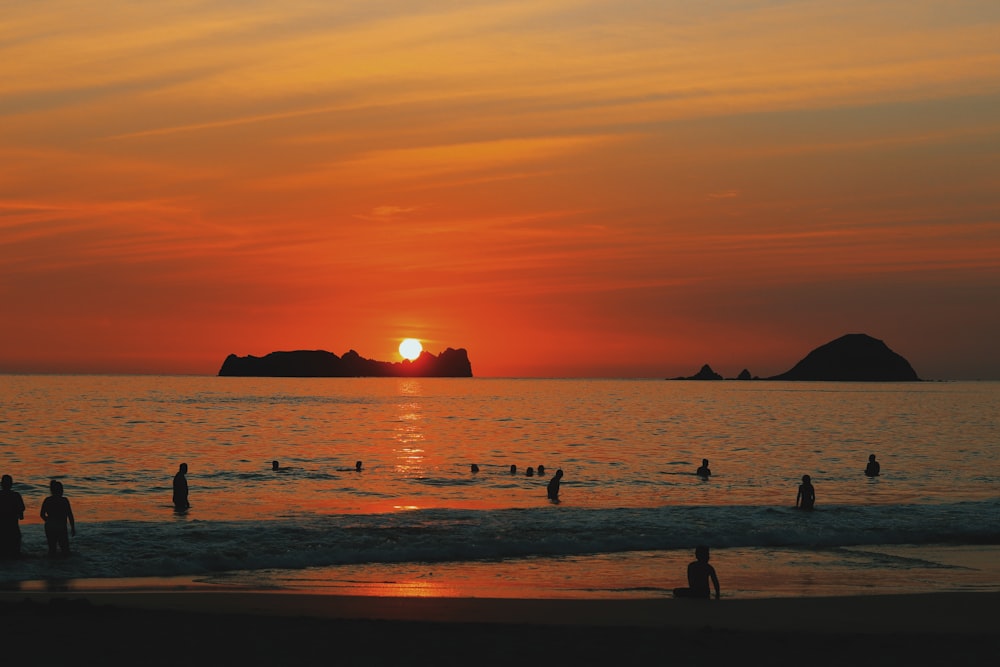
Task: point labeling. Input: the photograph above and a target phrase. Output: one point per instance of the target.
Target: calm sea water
(417, 521)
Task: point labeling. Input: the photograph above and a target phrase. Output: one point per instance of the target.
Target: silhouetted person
(357, 466)
(275, 466)
(513, 469)
(699, 573)
(873, 469)
(530, 472)
(474, 468)
(11, 512)
(56, 512)
(703, 471)
(541, 470)
(553, 488)
(805, 499)
(181, 503)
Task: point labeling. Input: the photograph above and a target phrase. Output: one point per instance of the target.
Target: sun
(410, 348)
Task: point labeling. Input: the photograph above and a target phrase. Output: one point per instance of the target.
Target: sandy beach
(183, 627)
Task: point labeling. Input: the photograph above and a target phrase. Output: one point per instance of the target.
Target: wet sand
(251, 628)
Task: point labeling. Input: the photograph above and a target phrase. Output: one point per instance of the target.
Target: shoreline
(265, 628)
(936, 613)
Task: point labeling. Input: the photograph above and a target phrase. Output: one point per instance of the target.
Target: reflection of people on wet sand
(181, 489)
(553, 488)
(806, 497)
(56, 512)
(873, 469)
(699, 572)
(703, 471)
(11, 512)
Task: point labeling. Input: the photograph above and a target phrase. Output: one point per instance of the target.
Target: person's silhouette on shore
(56, 512)
(181, 503)
(873, 469)
(703, 471)
(553, 487)
(11, 512)
(699, 573)
(805, 499)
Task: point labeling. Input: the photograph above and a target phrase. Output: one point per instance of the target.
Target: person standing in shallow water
(873, 469)
(56, 512)
(11, 512)
(181, 503)
(703, 471)
(805, 499)
(699, 573)
(553, 488)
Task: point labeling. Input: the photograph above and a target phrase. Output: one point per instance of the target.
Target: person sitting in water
(541, 470)
(703, 471)
(553, 488)
(805, 499)
(530, 472)
(275, 466)
(873, 469)
(357, 466)
(475, 468)
(513, 469)
(699, 572)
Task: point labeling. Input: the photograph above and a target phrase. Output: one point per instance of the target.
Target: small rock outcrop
(320, 363)
(706, 373)
(852, 358)
(744, 375)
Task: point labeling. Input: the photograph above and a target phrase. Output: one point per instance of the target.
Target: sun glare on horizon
(410, 348)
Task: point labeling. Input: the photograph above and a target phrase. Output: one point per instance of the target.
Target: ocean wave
(195, 547)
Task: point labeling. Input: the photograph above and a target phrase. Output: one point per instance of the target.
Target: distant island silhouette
(850, 358)
(320, 363)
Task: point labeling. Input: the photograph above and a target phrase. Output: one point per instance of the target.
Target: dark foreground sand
(242, 628)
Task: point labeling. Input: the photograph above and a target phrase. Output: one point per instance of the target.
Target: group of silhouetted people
(805, 499)
(700, 573)
(551, 490)
(56, 512)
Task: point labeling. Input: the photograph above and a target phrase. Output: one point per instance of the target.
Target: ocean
(417, 521)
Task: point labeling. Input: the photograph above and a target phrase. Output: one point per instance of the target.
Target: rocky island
(320, 363)
(850, 358)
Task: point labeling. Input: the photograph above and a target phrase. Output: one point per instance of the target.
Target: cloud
(725, 194)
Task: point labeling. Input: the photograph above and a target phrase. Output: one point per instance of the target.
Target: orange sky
(564, 188)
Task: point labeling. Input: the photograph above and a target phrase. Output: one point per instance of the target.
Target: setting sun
(410, 348)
